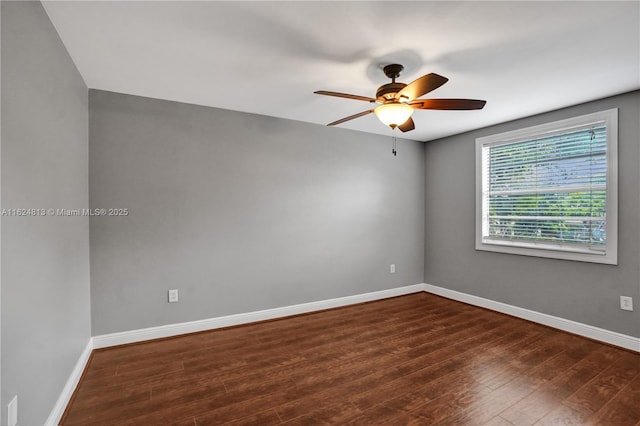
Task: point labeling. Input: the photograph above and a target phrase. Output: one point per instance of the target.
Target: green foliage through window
(549, 189)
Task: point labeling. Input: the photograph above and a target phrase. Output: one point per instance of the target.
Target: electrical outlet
(626, 303)
(392, 268)
(173, 296)
(12, 412)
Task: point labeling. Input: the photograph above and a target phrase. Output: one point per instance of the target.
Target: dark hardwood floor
(417, 359)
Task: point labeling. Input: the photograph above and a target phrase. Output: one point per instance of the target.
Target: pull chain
(393, 149)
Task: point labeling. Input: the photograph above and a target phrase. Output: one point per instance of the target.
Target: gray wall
(242, 212)
(45, 260)
(584, 292)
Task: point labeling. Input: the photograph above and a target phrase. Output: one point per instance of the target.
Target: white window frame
(550, 250)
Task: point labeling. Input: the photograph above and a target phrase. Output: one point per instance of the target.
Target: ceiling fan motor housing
(388, 91)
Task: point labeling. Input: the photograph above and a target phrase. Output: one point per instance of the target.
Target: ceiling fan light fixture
(394, 114)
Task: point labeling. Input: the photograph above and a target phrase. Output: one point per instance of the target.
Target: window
(550, 190)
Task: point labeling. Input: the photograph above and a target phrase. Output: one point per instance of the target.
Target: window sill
(552, 252)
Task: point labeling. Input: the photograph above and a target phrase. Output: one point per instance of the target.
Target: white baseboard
(169, 330)
(70, 386)
(133, 336)
(600, 334)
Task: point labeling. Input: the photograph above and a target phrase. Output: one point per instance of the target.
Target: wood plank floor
(417, 359)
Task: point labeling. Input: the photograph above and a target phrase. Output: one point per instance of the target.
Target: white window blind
(549, 188)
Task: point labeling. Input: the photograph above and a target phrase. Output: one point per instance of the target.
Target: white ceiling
(268, 57)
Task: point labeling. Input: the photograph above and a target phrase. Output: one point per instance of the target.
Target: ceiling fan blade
(421, 86)
(351, 117)
(459, 104)
(344, 95)
(407, 125)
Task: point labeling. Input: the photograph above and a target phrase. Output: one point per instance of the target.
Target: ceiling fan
(398, 100)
